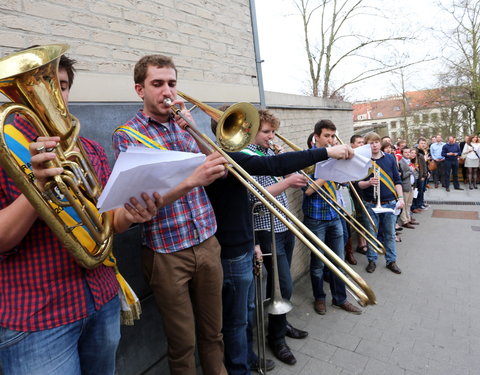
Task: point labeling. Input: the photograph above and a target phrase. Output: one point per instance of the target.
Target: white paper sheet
(346, 170)
(148, 170)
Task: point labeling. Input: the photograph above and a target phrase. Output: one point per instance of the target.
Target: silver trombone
(276, 304)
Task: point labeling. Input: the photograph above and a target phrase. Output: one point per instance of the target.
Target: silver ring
(41, 149)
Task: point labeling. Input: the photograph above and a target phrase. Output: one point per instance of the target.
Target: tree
(333, 42)
(463, 56)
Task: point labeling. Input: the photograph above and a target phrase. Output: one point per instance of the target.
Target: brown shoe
(414, 222)
(417, 211)
(408, 225)
(348, 307)
(350, 258)
(392, 266)
(320, 307)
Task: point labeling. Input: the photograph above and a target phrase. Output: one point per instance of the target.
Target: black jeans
(451, 165)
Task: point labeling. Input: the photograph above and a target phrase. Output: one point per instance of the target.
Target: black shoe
(448, 189)
(295, 333)
(392, 266)
(255, 366)
(371, 266)
(283, 353)
(459, 188)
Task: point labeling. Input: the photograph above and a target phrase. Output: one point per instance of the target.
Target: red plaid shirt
(41, 286)
(189, 220)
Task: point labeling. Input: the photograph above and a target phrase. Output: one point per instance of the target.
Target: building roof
(392, 107)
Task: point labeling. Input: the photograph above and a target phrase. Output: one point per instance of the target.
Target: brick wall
(209, 40)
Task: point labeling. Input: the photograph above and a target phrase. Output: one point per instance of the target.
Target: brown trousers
(187, 286)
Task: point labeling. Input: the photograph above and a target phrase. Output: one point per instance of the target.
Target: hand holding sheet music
(148, 170)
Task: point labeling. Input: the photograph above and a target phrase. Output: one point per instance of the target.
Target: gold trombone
(235, 128)
(375, 244)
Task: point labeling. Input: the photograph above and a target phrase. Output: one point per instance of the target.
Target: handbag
(432, 166)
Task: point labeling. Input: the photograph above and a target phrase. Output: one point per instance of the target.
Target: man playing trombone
(322, 220)
(278, 326)
(389, 191)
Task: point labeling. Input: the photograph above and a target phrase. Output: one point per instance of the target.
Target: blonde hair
(372, 137)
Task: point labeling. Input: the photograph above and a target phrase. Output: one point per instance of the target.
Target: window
(416, 119)
(393, 124)
(396, 108)
(379, 114)
(425, 118)
(434, 117)
(362, 117)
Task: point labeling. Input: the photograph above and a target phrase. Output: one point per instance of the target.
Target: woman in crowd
(470, 153)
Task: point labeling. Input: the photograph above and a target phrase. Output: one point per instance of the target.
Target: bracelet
(400, 197)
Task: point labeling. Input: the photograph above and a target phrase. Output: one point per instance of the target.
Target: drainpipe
(258, 61)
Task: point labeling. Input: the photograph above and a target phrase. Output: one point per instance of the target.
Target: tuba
(68, 202)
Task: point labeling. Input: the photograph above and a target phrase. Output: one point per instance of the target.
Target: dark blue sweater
(389, 164)
(229, 197)
(451, 148)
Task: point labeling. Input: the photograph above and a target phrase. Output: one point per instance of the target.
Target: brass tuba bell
(68, 204)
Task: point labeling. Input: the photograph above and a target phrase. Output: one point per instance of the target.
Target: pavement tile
(375, 349)
(318, 349)
(317, 367)
(349, 361)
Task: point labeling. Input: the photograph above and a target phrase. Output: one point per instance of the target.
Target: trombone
(276, 304)
(375, 244)
(234, 130)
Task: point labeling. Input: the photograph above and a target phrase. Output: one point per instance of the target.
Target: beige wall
(210, 41)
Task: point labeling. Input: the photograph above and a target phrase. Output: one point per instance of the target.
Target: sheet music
(148, 170)
(346, 170)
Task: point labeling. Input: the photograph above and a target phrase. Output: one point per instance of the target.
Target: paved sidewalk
(426, 321)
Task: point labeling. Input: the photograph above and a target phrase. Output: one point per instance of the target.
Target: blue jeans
(237, 294)
(285, 242)
(331, 233)
(419, 201)
(87, 346)
(385, 223)
(451, 166)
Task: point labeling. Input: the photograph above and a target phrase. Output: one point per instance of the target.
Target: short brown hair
(267, 116)
(141, 67)
(371, 137)
(67, 64)
(324, 124)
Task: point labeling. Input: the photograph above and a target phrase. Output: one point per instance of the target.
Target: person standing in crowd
(436, 155)
(401, 143)
(181, 256)
(278, 326)
(419, 201)
(407, 174)
(451, 152)
(60, 307)
(461, 159)
(391, 197)
(325, 223)
(470, 153)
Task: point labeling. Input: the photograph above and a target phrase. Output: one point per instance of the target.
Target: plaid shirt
(262, 222)
(316, 207)
(188, 221)
(42, 286)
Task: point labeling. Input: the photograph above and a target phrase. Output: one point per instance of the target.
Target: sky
(285, 66)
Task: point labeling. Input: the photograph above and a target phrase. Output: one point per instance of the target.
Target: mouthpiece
(167, 101)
